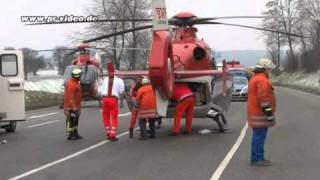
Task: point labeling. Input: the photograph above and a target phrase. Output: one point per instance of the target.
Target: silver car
(240, 88)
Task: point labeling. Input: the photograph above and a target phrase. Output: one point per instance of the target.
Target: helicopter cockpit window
(9, 65)
(84, 52)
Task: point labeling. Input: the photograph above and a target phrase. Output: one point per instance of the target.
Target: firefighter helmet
(76, 73)
(265, 63)
(145, 80)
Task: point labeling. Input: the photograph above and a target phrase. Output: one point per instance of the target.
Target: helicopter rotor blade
(118, 33)
(252, 27)
(47, 50)
(198, 20)
(94, 21)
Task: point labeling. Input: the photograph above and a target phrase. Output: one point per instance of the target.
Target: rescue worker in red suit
(146, 99)
(72, 104)
(184, 97)
(135, 108)
(110, 105)
(261, 108)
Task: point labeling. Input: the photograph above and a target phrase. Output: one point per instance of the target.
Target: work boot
(174, 134)
(131, 133)
(152, 129)
(77, 135)
(143, 130)
(72, 137)
(261, 163)
(112, 139)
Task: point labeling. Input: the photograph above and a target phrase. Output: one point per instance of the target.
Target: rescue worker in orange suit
(72, 104)
(184, 97)
(135, 108)
(146, 99)
(110, 105)
(261, 108)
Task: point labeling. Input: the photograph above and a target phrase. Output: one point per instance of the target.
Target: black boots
(73, 135)
(152, 129)
(143, 129)
(131, 133)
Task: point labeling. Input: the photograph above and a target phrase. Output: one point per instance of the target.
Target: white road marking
(65, 158)
(126, 114)
(43, 115)
(216, 175)
(49, 122)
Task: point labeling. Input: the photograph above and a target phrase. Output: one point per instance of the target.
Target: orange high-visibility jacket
(260, 93)
(72, 94)
(147, 100)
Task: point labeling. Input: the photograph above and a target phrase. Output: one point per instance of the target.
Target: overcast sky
(15, 34)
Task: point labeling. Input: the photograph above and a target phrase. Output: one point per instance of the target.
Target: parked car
(240, 88)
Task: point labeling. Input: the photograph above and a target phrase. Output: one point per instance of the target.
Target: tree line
(33, 61)
(299, 17)
(133, 58)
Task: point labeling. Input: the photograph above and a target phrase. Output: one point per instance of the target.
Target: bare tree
(62, 58)
(309, 14)
(115, 9)
(281, 15)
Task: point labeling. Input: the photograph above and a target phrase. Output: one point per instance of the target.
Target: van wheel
(11, 127)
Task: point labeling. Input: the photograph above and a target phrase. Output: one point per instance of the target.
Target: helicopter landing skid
(221, 121)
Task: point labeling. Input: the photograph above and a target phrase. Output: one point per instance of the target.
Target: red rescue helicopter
(91, 68)
(182, 57)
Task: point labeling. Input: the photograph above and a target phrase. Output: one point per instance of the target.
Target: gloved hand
(268, 112)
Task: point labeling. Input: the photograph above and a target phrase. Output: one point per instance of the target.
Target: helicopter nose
(199, 53)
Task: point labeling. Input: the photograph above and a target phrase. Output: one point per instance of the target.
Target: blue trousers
(258, 138)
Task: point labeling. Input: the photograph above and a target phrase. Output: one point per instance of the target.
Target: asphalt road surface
(39, 149)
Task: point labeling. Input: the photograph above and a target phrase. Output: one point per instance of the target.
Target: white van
(12, 108)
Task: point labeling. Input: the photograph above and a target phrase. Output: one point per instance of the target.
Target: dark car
(240, 88)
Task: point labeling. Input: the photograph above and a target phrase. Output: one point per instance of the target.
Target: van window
(9, 65)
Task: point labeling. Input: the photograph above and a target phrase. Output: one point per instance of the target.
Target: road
(38, 150)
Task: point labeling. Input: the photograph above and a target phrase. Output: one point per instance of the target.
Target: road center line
(65, 158)
(216, 175)
(49, 122)
(43, 115)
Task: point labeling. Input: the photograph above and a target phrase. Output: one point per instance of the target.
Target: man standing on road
(72, 104)
(261, 108)
(110, 105)
(184, 97)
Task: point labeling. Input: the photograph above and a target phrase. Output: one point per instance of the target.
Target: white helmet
(76, 73)
(145, 80)
(265, 63)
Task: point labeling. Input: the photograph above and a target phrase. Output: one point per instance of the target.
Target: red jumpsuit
(110, 105)
(185, 104)
(135, 109)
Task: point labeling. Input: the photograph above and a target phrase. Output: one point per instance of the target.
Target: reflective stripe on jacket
(260, 93)
(181, 91)
(72, 94)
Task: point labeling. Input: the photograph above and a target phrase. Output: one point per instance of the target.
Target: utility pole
(278, 60)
